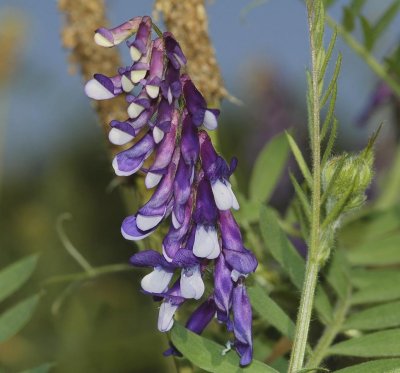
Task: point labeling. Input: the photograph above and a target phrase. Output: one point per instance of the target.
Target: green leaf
(338, 275)
(329, 114)
(302, 197)
(248, 212)
(207, 354)
(299, 158)
(368, 33)
(386, 19)
(328, 56)
(377, 366)
(348, 19)
(269, 311)
(44, 368)
(379, 252)
(362, 278)
(379, 344)
(288, 257)
(332, 84)
(268, 168)
(382, 291)
(15, 318)
(331, 142)
(15, 275)
(375, 318)
(280, 247)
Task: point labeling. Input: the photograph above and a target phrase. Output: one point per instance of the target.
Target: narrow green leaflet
(380, 252)
(270, 311)
(377, 366)
(280, 247)
(288, 257)
(299, 158)
(362, 278)
(15, 275)
(375, 318)
(249, 210)
(379, 344)
(268, 168)
(15, 318)
(44, 368)
(208, 355)
(386, 19)
(382, 291)
(338, 274)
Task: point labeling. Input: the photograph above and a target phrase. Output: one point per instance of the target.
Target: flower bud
(349, 174)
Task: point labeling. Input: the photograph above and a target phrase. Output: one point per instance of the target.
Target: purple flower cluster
(191, 181)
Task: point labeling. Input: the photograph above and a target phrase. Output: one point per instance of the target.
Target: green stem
(96, 271)
(330, 332)
(358, 48)
(312, 265)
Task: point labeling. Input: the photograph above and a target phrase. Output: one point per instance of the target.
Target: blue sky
(43, 96)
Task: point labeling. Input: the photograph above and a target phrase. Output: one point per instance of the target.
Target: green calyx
(348, 175)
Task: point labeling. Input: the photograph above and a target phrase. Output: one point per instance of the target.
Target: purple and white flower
(191, 183)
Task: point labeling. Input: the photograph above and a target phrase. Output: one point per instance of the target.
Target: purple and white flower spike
(166, 113)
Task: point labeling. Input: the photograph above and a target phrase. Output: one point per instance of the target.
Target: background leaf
(16, 274)
(377, 366)
(288, 257)
(379, 317)
(207, 354)
(379, 344)
(15, 318)
(44, 368)
(271, 312)
(268, 168)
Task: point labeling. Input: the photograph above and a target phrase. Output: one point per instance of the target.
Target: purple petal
(206, 212)
(222, 288)
(143, 35)
(146, 258)
(174, 51)
(130, 231)
(242, 319)
(243, 261)
(129, 161)
(201, 316)
(110, 37)
(190, 141)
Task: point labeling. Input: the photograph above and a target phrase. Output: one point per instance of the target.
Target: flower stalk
(312, 266)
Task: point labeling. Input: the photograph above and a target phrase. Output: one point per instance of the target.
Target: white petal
(203, 242)
(144, 223)
(94, 89)
(216, 248)
(192, 285)
(137, 75)
(152, 179)
(158, 135)
(152, 90)
(210, 120)
(135, 53)
(235, 203)
(135, 238)
(156, 281)
(127, 85)
(166, 316)
(134, 110)
(222, 195)
(175, 222)
(124, 173)
(236, 274)
(169, 96)
(118, 137)
(102, 41)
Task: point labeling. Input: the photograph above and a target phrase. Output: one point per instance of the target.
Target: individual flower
(191, 185)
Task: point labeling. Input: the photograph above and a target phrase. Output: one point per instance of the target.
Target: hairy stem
(312, 266)
(330, 332)
(370, 60)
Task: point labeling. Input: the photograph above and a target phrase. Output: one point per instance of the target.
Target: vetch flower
(190, 179)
